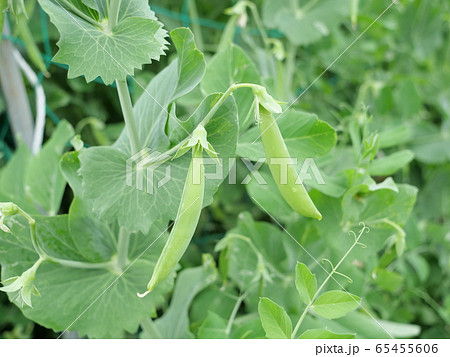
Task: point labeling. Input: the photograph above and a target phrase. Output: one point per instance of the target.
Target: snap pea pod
(185, 222)
(294, 193)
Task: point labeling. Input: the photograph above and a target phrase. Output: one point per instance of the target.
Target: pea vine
(112, 239)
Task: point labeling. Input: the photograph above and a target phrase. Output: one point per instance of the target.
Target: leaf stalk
(128, 115)
(113, 14)
(123, 248)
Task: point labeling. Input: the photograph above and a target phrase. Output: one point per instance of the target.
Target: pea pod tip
(144, 294)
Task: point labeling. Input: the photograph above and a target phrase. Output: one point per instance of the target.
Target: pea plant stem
(216, 106)
(319, 290)
(196, 28)
(110, 265)
(33, 234)
(280, 80)
(222, 100)
(394, 225)
(122, 248)
(113, 14)
(44, 256)
(228, 34)
(290, 69)
(259, 24)
(233, 315)
(127, 110)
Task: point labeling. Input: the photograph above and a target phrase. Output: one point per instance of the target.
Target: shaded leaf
(214, 326)
(226, 68)
(275, 320)
(43, 181)
(175, 322)
(325, 334)
(334, 304)
(305, 136)
(305, 282)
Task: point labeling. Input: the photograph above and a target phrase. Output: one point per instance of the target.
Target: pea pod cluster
(188, 211)
(293, 192)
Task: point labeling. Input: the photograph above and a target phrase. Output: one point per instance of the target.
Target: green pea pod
(185, 222)
(294, 193)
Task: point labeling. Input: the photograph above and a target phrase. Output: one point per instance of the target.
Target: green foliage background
(393, 84)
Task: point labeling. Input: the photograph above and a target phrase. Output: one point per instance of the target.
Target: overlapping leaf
(95, 302)
(104, 171)
(175, 322)
(305, 135)
(91, 50)
(35, 183)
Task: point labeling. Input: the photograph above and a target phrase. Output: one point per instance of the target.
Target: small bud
(199, 137)
(24, 285)
(266, 100)
(7, 209)
(77, 143)
(278, 49)
(242, 21)
(238, 9)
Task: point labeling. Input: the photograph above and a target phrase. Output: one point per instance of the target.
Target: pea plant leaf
(275, 320)
(396, 207)
(431, 144)
(305, 24)
(93, 238)
(12, 179)
(260, 252)
(214, 326)
(35, 183)
(250, 328)
(91, 294)
(305, 135)
(69, 165)
(91, 49)
(233, 66)
(175, 322)
(117, 200)
(306, 283)
(17, 244)
(212, 299)
(375, 204)
(364, 325)
(52, 235)
(325, 334)
(390, 164)
(254, 247)
(335, 303)
(43, 181)
(268, 195)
